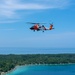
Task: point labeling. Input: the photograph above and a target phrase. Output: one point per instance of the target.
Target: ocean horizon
(23, 50)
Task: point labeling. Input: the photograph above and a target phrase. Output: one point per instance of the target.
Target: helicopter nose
(31, 28)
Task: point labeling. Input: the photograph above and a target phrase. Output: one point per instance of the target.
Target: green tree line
(8, 62)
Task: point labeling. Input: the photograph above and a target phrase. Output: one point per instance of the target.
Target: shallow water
(44, 70)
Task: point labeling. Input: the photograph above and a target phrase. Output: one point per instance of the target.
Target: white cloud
(8, 8)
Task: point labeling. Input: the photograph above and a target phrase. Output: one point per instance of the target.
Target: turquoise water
(44, 70)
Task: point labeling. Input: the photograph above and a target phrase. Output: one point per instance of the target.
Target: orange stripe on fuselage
(51, 27)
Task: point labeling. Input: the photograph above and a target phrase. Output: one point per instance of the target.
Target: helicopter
(38, 27)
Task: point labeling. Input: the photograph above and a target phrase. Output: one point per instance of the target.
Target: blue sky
(14, 32)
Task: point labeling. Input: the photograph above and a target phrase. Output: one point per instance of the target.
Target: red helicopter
(39, 27)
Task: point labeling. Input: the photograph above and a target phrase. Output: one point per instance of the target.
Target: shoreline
(4, 73)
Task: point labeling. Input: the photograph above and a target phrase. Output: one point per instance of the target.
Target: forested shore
(8, 62)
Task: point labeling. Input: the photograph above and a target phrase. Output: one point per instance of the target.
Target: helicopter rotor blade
(51, 23)
(34, 23)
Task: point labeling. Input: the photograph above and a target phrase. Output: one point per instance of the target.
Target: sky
(15, 32)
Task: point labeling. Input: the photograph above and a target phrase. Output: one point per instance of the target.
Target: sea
(67, 69)
(24, 50)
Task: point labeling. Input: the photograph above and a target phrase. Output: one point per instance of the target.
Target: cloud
(6, 9)
(9, 8)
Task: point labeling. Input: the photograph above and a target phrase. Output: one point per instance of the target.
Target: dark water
(44, 70)
(22, 50)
